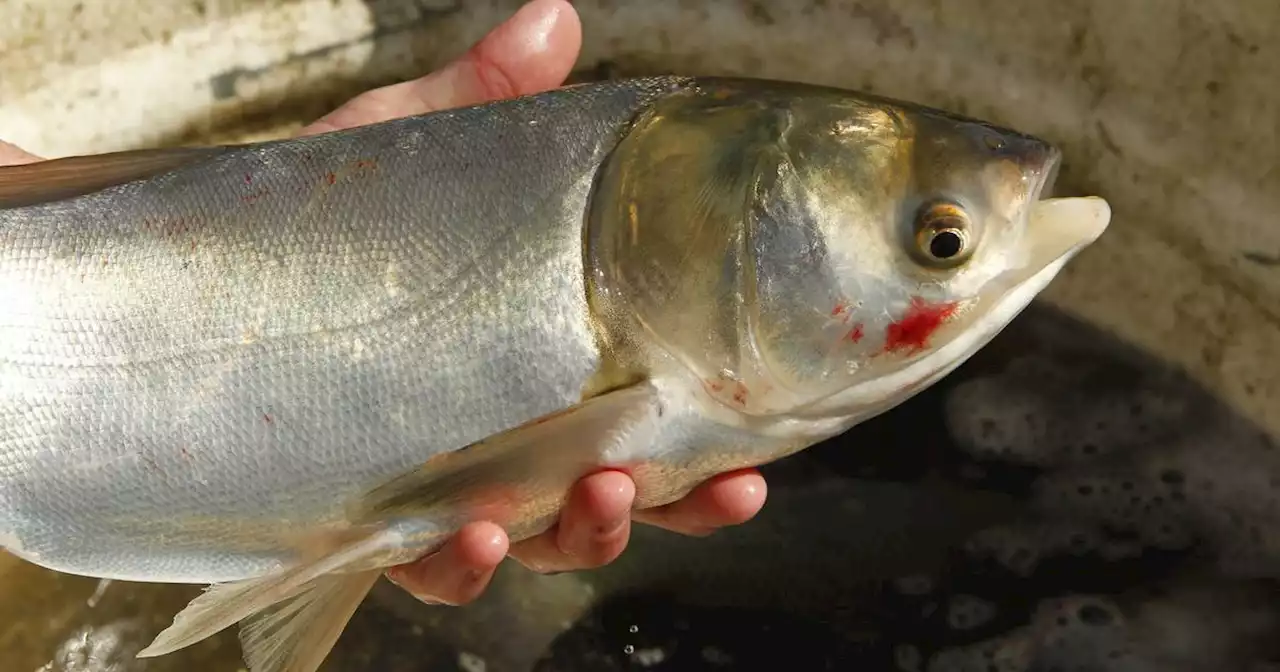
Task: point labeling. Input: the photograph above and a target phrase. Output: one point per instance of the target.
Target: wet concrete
(1060, 502)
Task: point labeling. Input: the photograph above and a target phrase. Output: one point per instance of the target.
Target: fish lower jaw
(851, 406)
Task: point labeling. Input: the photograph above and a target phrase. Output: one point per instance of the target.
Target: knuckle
(495, 82)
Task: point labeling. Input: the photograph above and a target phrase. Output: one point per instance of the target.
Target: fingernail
(396, 579)
(538, 34)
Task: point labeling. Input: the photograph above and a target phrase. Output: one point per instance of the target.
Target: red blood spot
(173, 227)
(912, 332)
(251, 198)
(840, 308)
(267, 418)
(248, 179)
(855, 334)
(364, 164)
(330, 178)
(740, 393)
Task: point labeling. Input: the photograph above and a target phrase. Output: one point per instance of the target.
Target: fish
(277, 369)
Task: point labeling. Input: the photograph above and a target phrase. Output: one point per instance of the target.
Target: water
(1061, 502)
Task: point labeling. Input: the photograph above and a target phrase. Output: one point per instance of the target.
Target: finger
(530, 52)
(728, 499)
(11, 155)
(593, 529)
(459, 572)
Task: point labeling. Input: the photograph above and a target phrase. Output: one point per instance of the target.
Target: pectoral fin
(47, 181)
(292, 618)
(536, 459)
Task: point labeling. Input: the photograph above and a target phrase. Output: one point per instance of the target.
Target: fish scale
(201, 385)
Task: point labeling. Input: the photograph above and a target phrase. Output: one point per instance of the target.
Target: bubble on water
(470, 662)
(633, 629)
(1188, 626)
(1218, 494)
(1046, 412)
(1119, 499)
(915, 584)
(1020, 547)
(967, 611)
(650, 657)
(101, 648)
(1147, 455)
(907, 658)
(716, 656)
(629, 649)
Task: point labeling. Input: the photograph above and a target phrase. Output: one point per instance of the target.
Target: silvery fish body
(283, 367)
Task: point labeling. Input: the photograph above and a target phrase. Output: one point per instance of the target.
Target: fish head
(891, 242)
(813, 252)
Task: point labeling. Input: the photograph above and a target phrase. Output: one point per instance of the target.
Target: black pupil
(945, 244)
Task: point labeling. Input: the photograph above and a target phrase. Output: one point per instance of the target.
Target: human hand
(532, 51)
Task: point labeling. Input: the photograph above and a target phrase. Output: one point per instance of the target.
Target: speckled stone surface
(1166, 107)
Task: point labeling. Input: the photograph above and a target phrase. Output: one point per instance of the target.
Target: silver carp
(280, 368)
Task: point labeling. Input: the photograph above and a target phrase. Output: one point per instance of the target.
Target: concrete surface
(1166, 107)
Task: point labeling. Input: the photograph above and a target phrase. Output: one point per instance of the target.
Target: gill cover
(676, 249)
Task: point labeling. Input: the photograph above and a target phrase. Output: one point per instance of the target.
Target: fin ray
(224, 605)
(296, 635)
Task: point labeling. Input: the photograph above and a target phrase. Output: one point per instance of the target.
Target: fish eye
(943, 234)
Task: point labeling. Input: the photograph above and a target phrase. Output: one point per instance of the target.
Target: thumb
(13, 156)
(530, 52)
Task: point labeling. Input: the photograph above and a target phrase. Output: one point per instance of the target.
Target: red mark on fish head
(248, 179)
(856, 333)
(330, 178)
(911, 333)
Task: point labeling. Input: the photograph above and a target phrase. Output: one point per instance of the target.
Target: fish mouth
(1058, 227)
(1061, 227)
